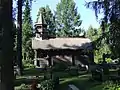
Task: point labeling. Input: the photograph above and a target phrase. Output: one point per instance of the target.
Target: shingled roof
(62, 43)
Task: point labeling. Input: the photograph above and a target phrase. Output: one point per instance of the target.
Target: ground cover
(83, 81)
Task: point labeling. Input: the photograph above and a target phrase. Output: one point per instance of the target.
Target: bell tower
(41, 28)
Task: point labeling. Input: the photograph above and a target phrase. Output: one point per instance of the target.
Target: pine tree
(67, 19)
(27, 32)
(92, 33)
(99, 43)
(111, 15)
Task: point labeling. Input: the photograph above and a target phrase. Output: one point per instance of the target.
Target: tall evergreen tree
(111, 11)
(99, 43)
(27, 32)
(92, 33)
(67, 19)
(48, 18)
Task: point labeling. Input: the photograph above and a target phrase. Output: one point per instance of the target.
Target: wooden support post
(49, 60)
(35, 58)
(73, 60)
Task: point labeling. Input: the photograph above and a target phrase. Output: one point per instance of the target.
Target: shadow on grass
(65, 78)
(66, 74)
(83, 83)
(26, 81)
(29, 73)
(33, 71)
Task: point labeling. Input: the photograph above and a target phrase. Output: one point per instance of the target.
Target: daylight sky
(87, 15)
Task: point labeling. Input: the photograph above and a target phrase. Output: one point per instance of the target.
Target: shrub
(109, 60)
(47, 85)
(109, 85)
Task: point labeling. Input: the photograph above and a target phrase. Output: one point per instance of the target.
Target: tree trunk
(6, 46)
(19, 36)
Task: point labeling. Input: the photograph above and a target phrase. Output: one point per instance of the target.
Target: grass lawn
(83, 82)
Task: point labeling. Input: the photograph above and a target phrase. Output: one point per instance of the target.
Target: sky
(87, 15)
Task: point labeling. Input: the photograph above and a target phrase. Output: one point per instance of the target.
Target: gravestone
(97, 74)
(72, 87)
(48, 73)
(105, 67)
(73, 71)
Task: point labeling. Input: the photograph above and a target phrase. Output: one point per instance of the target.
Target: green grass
(28, 81)
(33, 72)
(98, 87)
(83, 82)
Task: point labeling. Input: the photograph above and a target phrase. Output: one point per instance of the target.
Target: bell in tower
(41, 28)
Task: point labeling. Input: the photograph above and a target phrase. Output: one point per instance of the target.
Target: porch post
(49, 60)
(73, 60)
(35, 59)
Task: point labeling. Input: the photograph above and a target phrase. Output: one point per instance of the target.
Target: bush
(109, 85)
(47, 85)
(109, 60)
